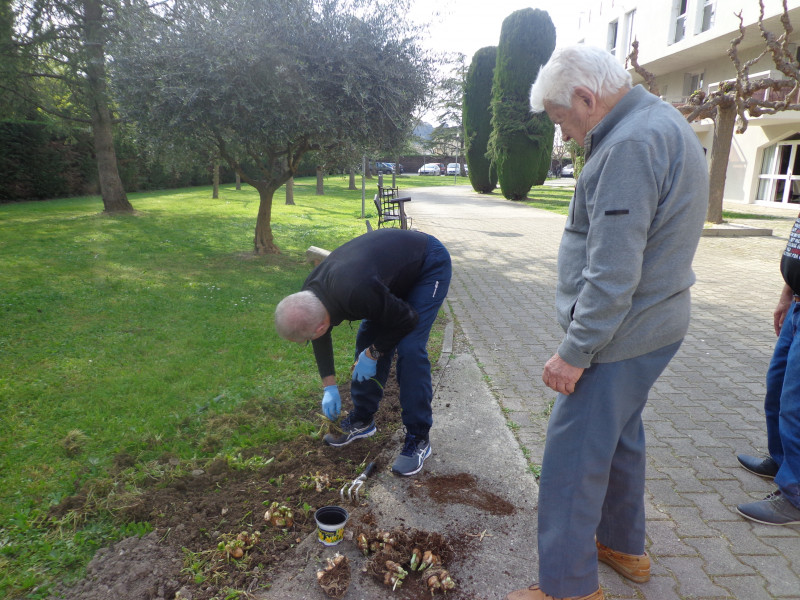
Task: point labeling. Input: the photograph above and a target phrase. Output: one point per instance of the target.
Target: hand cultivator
(351, 490)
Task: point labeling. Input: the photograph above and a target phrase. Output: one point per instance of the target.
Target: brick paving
(706, 407)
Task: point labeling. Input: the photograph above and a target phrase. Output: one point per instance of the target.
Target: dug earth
(211, 539)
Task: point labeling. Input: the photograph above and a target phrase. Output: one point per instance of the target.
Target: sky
(467, 25)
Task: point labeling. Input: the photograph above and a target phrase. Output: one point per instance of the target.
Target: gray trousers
(593, 472)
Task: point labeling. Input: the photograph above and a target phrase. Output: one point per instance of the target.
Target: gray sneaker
(412, 456)
(775, 509)
(763, 467)
(351, 430)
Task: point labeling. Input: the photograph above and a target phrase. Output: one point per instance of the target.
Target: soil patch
(462, 488)
(210, 536)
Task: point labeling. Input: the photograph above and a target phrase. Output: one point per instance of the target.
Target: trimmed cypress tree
(521, 142)
(477, 118)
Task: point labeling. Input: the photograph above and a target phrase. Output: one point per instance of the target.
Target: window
(779, 180)
(680, 20)
(629, 37)
(691, 83)
(611, 45)
(708, 15)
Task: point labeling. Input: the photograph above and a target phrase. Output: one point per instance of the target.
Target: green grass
(128, 339)
(554, 199)
(730, 214)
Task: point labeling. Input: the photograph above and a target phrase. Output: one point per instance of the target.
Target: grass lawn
(122, 336)
(554, 199)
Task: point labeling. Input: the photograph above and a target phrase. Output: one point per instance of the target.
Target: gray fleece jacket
(625, 260)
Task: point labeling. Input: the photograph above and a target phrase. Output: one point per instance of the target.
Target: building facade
(685, 44)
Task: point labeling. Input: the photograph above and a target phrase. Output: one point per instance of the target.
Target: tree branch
(649, 77)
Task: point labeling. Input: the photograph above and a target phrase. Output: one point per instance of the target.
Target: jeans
(782, 406)
(593, 472)
(413, 366)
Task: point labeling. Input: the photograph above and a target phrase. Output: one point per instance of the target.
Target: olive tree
(267, 81)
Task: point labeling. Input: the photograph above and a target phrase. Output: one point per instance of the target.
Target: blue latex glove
(365, 368)
(331, 402)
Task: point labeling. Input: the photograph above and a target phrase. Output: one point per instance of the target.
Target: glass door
(779, 180)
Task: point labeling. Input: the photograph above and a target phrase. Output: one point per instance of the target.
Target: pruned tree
(477, 119)
(521, 141)
(64, 43)
(270, 80)
(740, 98)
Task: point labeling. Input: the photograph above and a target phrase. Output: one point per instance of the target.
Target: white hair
(298, 316)
(573, 66)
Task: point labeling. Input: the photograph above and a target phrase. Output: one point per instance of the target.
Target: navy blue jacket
(369, 277)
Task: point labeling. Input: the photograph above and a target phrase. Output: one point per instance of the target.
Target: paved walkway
(705, 408)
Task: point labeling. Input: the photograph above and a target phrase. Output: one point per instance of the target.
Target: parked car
(454, 169)
(429, 169)
(400, 168)
(385, 168)
(568, 171)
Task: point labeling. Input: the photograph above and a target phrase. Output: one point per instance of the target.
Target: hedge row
(40, 160)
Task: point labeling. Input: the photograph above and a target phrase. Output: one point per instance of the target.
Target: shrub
(477, 119)
(521, 142)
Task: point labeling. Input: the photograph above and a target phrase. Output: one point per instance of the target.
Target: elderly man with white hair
(394, 281)
(624, 273)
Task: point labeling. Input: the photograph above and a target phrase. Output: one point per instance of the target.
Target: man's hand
(331, 402)
(560, 375)
(365, 367)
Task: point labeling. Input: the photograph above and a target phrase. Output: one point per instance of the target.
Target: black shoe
(351, 430)
(412, 456)
(763, 467)
(775, 509)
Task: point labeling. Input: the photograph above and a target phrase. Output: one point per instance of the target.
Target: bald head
(301, 317)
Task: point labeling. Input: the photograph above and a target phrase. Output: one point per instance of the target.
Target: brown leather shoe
(632, 566)
(534, 593)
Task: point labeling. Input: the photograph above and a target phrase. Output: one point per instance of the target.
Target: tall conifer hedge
(476, 116)
(521, 142)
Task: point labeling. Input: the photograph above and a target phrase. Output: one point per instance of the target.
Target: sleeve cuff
(569, 353)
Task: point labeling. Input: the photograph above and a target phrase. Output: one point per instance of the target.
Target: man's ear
(586, 96)
(321, 328)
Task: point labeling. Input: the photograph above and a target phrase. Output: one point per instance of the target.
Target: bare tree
(739, 99)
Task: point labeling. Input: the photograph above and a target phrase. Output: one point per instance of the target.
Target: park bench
(390, 208)
(316, 255)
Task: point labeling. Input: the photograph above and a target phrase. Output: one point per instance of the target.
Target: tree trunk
(352, 185)
(113, 193)
(290, 192)
(263, 242)
(238, 182)
(720, 152)
(320, 182)
(215, 177)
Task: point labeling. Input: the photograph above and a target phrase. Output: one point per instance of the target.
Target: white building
(684, 43)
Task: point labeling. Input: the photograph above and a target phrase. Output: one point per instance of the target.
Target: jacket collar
(637, 98)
